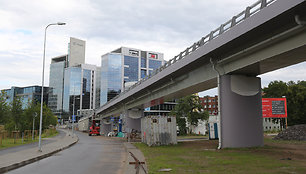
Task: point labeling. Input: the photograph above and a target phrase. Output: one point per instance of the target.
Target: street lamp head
(61, 23)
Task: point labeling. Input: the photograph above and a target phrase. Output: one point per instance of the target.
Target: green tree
(296, 103)
(29, 113)
(34, 110)
(16, 120)
(189, 107)
(296, 99)
(4, 109)
(48, 117)
(275, 89)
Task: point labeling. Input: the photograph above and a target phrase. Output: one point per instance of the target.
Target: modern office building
(72, 82)
(56, 83)
(79, 88)
(123, 67)
(27, 95)
(76, 52)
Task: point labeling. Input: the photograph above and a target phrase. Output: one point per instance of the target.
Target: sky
(166, 26)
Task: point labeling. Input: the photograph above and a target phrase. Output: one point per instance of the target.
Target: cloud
(167, 26)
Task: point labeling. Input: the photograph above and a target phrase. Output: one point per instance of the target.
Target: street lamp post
(42, 83)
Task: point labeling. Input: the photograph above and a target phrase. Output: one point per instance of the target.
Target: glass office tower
(111, 77)
(56, 84)
(74, 58)
(79, 88)
(123, 67)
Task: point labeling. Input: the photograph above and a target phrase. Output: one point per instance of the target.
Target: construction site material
(296, 132)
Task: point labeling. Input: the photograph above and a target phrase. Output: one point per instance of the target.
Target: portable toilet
(213, 131)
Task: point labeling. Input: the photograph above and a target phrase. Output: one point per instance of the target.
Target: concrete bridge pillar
(105, 127)
(241, 113)
(132, 120)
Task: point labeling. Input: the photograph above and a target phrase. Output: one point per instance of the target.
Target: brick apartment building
(210, 104)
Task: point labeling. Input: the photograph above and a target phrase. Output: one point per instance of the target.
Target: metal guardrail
(249, 11)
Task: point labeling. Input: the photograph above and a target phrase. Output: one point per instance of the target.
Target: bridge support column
(241, 113)
(105, 128)
(133, 120)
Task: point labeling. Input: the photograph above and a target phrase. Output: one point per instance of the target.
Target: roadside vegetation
(17, 122)
(203, 157)
(192, 136)
(16, 140)
(15, 118)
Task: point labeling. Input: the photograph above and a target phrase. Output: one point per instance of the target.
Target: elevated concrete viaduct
(266, 36)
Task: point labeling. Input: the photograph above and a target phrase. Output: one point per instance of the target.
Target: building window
(154, 64)
(143, 73)
(132, 71)
(143, 63)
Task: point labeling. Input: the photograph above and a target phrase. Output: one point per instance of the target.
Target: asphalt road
(31, 145)
(92, 155)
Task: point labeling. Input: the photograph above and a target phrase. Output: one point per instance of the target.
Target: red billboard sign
(274, 108)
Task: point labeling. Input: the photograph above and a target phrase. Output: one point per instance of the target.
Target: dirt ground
(287, 150)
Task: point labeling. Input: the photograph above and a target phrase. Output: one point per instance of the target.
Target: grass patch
(202, 157)
(10, 142)
(192, 136)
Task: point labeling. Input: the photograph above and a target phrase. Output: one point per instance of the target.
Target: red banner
(274, 108)
(154, 102)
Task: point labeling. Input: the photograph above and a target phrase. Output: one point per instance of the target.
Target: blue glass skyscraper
(123, 67)
(79, 88)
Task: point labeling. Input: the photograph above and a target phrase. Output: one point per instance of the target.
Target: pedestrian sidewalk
(15, 160)
(130, 168)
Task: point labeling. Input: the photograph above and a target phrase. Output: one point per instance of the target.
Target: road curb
(31, 160)
(130, 169)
